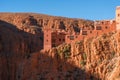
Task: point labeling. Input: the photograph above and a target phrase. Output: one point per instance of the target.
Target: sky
(85, 9)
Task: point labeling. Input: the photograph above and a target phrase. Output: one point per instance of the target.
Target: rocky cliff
(25, 20)
(21, 57)
(96, 58)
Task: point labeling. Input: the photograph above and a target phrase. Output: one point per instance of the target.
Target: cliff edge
(21, 57)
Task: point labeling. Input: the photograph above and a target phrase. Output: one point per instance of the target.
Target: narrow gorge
(22, 56)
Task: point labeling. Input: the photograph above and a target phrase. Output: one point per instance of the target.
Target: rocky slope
(91, 59)
(21, 57)
(25, 20)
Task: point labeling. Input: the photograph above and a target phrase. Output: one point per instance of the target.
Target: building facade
(53, 38)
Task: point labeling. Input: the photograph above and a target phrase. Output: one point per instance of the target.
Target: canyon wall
(21, 57)
(95, 58)
(25, 20)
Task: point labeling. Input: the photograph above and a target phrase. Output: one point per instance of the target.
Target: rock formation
(25, 20)
(21, 57)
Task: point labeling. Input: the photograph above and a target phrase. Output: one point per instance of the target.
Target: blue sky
(86, 9)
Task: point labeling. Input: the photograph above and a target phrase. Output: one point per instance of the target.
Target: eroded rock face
(25, 20)
(99, 56)
(21, 59)
(93, 59)
(15, 45)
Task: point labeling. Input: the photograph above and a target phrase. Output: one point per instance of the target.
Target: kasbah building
(53, 38)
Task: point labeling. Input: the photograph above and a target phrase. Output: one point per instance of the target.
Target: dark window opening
(90, 31)
(59, 39)
(106, 27)
(118, 15)
(23, 22)
(98, 28)
(84, 33)
(71, 37)
(68, 36)
(52, 26)
(41, 38)
(47, 40)
(113, 21)
(47, 35)
(102, 22)
(76, 37)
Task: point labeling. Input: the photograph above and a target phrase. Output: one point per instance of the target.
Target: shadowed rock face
(15, 45)
(21, 59)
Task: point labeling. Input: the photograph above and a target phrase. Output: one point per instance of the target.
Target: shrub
(84, 56)
(64, 52)
(112, 54)
(83, 63)
(80, 43)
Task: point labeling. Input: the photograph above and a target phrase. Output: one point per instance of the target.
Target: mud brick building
(53, 38)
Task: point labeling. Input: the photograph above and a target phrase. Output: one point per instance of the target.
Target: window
(90, 31)
(118, 15)
(59, 39)
(47, 40)
(23, 22)
(71, 37)
(84, 33)
(76, 37)
(102, 22)
(47, 35)
(52, 26)
(106, 27)
(113, 21)
(98, 28)
(68, 36)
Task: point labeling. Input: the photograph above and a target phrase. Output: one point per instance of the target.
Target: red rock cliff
(21, 59)
(25, 20)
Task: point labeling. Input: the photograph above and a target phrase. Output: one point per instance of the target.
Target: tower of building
(53, 38)
(118, 18)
